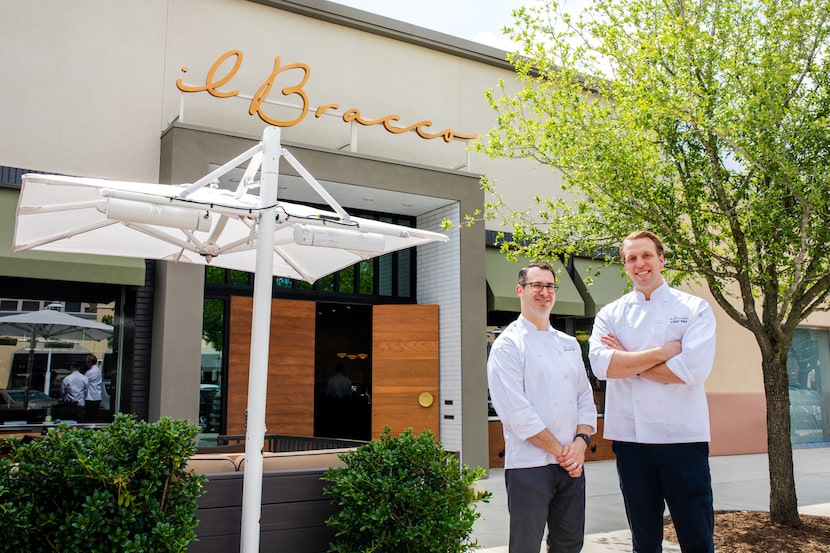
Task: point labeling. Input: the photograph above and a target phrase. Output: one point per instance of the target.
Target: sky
(478, 20)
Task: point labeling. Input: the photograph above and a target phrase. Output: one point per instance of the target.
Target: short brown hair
(536, 265)
(636, 235)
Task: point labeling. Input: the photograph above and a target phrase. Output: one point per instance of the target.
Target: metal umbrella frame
(199, 223)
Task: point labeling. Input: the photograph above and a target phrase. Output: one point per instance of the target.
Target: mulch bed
(752, 532)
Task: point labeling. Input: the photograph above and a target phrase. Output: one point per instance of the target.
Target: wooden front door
(405, 370)
(290, 403)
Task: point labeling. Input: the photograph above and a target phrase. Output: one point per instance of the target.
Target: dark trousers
(677, 474)
(92, 409)
(545, 495)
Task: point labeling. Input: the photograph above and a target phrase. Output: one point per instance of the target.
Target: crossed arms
(649, 363)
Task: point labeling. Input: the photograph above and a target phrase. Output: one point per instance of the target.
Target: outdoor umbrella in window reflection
(204, 224)
(49, 324)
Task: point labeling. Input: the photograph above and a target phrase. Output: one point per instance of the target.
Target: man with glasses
(541, 393)
(655, 347)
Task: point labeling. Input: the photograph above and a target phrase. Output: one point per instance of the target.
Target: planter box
(294, 507)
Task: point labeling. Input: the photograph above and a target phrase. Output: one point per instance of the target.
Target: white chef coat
(641, 410)
(538, 380)
(93, 375)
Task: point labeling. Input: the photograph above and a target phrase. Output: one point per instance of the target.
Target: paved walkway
(739, 482)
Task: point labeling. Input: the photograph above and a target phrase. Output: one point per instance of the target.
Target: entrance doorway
(343, 371)
(391, 359)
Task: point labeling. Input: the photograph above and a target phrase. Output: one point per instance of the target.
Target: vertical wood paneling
(290, 404)
(495, 436)
(404, 364)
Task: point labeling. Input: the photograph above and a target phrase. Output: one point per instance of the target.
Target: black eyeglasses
(537, 286)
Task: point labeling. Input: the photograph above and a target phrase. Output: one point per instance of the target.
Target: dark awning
(502, 277)
(608, 283)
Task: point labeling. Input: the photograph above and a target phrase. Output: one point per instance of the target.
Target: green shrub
(123, 488)
(403, 494)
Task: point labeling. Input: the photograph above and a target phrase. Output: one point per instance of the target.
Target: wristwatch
(585, 437)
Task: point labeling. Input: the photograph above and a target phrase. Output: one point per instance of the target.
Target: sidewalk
(739, 482)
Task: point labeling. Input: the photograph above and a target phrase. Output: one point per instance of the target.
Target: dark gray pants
(545, 495)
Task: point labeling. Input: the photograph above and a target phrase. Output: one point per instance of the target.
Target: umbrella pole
(47, 381)
(260, 338)
(30, 367)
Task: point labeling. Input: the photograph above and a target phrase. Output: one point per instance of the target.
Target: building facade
(382, 113)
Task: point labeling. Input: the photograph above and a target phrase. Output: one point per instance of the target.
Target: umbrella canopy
(234, 229)
(208, 226)
(49, 324)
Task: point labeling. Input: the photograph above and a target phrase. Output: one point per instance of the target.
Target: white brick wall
(439, 282)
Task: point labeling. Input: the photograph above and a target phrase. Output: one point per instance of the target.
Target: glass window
(240, 277)
(33, 360)
(210, 383)
(808, 367)
(347, 280)
(326, 284)
(282, 282)
(385, 274)
(367, 276)
(405, 273)
(215, 274)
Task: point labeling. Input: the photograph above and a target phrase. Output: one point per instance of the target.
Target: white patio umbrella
(49, 324)
(199, 223)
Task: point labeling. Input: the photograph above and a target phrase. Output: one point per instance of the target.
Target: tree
(213, 323)
(705, 121)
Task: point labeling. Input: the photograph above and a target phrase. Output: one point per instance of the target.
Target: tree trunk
(783, 504)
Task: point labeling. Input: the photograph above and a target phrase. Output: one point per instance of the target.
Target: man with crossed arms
(655, 347)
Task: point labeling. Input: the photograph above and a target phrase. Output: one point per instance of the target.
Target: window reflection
(808, 366)
(35, 362)
(210, 383)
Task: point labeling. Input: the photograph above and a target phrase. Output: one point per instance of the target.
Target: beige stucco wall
(819, 319)
(81, 87)
(737, 366)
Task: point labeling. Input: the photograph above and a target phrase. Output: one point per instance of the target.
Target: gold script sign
(389, 122)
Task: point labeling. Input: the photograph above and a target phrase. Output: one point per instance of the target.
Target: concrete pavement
(739, 482)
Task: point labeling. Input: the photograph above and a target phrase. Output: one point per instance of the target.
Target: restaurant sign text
(390, 122)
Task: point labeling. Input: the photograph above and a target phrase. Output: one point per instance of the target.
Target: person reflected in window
(93, 393)
(74, 389)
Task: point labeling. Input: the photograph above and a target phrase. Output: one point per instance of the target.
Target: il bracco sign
(297, 92)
